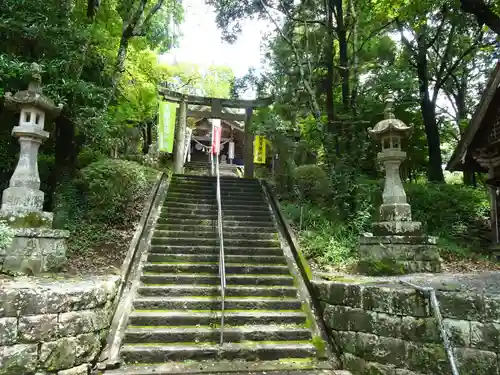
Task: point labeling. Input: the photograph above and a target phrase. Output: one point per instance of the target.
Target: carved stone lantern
(36, 247)
(397, 245)
(395, 212)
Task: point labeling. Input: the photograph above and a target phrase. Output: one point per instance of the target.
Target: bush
(311, 182)
(88, 156)
(112, 186)
(455, 213)
(450, 211)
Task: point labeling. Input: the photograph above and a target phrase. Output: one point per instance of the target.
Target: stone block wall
(54, 327)
(389, 329)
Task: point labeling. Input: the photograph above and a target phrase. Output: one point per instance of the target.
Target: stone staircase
(174, 327)
(204, 168)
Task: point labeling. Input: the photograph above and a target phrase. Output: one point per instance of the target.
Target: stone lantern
(397, 245)
(395, 212)
(36, 247)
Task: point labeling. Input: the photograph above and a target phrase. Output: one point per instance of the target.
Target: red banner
(216, 136)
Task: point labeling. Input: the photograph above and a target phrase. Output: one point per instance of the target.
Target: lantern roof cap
(33, 96)
(390, 124)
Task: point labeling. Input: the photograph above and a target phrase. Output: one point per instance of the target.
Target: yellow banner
(259, 149)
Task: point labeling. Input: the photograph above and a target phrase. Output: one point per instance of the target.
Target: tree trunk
(435, 170)
(66, 152)
(343, 54)
(329, 46)
(469, 177)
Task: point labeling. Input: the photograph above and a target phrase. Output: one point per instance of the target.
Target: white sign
(231, 150)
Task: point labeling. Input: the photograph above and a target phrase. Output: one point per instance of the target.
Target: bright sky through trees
(201, 42)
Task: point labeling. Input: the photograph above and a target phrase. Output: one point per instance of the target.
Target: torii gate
(216, 105)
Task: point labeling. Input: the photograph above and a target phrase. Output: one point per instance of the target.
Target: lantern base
(395, 212)
(35, 219)
(398, 255)
(22, 200)
(35, 251)
(399, 228)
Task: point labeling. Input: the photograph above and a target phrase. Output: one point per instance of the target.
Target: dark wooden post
(180, 134)
(248, 144)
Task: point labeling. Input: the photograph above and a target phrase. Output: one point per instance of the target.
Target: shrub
(450, 211)
(311, 182)
(455, 213)
(88, 156)
(111, 187)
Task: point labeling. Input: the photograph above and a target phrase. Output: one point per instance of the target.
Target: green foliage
(106, 196)
(455, 213)
(6, 235)
(111, 187)
(88, 156)
(311, 182)
(322, 238)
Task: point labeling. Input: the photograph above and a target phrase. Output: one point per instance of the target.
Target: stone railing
(54, 327)
(389, 329)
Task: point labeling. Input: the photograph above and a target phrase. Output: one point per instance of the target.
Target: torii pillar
(180, 135)
(249, 138)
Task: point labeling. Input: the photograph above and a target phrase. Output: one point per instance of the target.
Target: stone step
(230, 242)
(291, 366)
(136, 353)
(210, 196)
(214, 250)
(258, 228)
(194, 318)
(249, 221)
(214, 303)
(188, 189)
(210, 181)
(213, 268)
(231, 334)
(165, 212)
(187, 279)
(231, 291)
(214, 233)
(256, 206)
(211, 199)
(238, 259)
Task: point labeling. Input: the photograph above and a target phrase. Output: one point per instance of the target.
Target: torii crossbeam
(216, 105)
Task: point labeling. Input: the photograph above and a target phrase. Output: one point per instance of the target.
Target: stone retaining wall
(389, 330)
(54, 327)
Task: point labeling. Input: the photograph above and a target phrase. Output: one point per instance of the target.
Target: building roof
(457, 160)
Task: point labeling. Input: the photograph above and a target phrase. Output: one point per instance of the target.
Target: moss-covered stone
(380, 267)
(485, 336)
(354, 364)
(459, 332)
(373, 368)
(420, 329)
(477, 362)
(464, 306)
(29, 220)
(427, 358)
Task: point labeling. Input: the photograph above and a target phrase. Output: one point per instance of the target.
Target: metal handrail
(431, 293)
(222, 265)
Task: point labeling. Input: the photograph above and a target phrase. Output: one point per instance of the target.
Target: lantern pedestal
(397, 245)
(398, 255)
(36, 247)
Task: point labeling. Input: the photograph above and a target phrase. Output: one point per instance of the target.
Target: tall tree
(486, 14)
